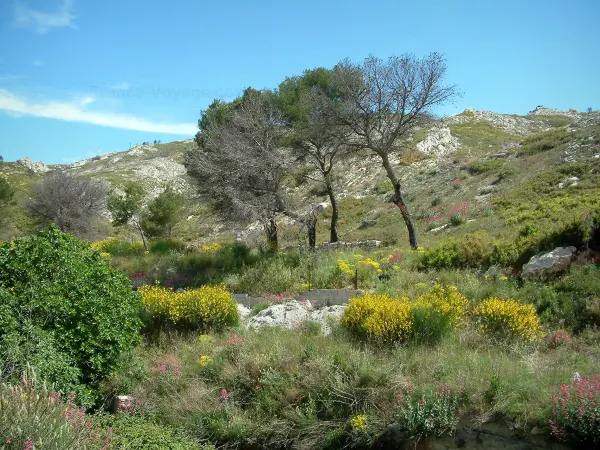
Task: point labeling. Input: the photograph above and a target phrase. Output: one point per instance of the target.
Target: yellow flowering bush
(508, 319)
(388, 319)
(438, 313)
(206, 308)
(379, 316)
(211, 248)
(115, 246)
(368, 269)
(446, 300)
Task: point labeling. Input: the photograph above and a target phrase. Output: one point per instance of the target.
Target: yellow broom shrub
(206, 308)
(508, 319)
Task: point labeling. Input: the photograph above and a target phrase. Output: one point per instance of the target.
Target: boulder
(545, 265)
(292, 314)
(35, 167)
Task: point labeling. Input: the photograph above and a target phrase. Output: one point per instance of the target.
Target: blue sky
(80, 78)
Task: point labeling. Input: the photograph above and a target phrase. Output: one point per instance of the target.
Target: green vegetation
(64, 311)
(546, 140)
(485, 165)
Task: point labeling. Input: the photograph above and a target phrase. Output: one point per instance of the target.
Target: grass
(478, 138)
(553, 121)
(311, 385)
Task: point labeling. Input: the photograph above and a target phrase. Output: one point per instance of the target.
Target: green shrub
(139, 433)
(383, 187)
(546, 140)
(431, 414)
(472, 250)
(484, 165)
(166, 245)
(67, 295)
(457, 219)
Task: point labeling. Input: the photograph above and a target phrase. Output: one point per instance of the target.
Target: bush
(380, 317)
(138, 433)
(386, 319)
(457, 219)
(383, 187)
(80, 311)
(508, 320)
(166, 245)
(206, 308)
(546, 140)
(33, 417)
(432, 414)
(575, 414)
(469, 251)
(115, 247)
(485, 165)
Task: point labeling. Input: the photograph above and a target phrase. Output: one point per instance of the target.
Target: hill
(457, 167)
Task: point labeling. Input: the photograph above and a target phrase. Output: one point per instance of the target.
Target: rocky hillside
(458, 165)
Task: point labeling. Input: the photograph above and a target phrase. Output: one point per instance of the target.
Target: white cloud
(123, 86)
(75, 111)
(10, 77)
(37, 62)
(42, 21)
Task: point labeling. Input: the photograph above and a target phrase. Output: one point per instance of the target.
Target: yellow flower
(105, 255)
(359, 423)
(146, 252)
(503, 278)
(205, 360)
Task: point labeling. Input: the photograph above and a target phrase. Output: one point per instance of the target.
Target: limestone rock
(35, 167)
(290, 315)
(544, 265)
(439, 142)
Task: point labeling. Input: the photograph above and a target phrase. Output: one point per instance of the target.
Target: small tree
(128, 208)
(163, 213)
(383, 101)
(588, 110)
(239, 163)
(69, 201)
(317, 136)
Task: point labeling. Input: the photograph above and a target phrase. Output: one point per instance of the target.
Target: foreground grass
(298, 389)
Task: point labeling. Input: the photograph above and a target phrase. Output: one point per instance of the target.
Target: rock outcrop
(35, 167)
(546, 265)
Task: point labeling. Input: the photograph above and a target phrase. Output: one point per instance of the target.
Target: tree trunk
(139, 227)
(333, 236)
(271, 232)
(311, 224)
(399, 201)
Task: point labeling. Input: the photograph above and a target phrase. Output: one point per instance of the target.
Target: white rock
(439, 142)
(549, 263)
(35, 167)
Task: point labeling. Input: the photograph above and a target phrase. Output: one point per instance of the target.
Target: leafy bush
(457, 219)
(138, 433)
(206, 308)
(166, 245)
(432, 414)
(80, 311)
(575, 411)
(484, 165)
(383, 187)
(545, 140)
(33, 417)
(508, 320)
(470, 250)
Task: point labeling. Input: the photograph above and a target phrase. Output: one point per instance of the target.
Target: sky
(81, 78)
